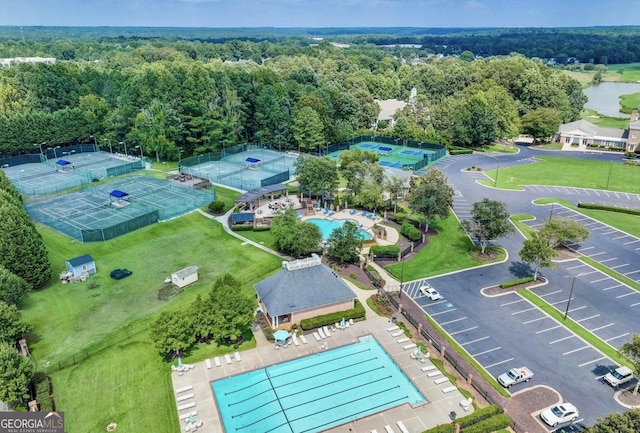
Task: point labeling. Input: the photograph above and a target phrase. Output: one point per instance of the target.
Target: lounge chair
(351, 321)
(295, 339)
(216, 361)
(353, 212)
(331, 213)
(364, 213)
(207, 363)
(316, 336)
(321, 333)
(397, 333)
(186, 406)
(393, 328)
(185, 416)
(184, 389)
(388, 429)
(466, 403)
(237, 356)
(227, 358)
(401, 426)
(184, 397)
(403, 340)
(303, 339)
(326, 331)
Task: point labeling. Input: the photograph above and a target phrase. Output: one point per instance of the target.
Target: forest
(175, 97)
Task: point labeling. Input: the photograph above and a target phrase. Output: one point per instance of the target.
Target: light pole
(40, 145)
(566, 311)
(110, 148)
(609, 175)
(125, 147)
(401, 278)
(141, 153)
(95, 143)
(495, 184)
(55, 151)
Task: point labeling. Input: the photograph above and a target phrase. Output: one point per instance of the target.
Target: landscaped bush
(517, 282)
(262, 229)
(609, 208)
(216, 206)
(398, 217)
(460, 151)
(266, 327)
(479, 415)
(385, 250)
(242, 228)
(357, 312)
(445, 428)
(410, 232)
(489, 425)
(44, 390)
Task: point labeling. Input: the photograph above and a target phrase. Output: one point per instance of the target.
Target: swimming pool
(314, 393)
(328, 226)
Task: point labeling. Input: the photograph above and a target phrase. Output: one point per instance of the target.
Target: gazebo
(120, 198)
(252, 163)
(281, 337)
(63, 166)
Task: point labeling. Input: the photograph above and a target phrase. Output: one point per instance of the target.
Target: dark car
(572, 428)
(118, 274)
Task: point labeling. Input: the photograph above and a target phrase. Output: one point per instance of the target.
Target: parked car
(118, 274)
(559, 413)
(430, 293)
(571, 428)
(515, 376)
(619, 376)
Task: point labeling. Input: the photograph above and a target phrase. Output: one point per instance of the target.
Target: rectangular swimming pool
(314, 393)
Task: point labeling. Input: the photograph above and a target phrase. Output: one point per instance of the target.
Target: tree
(559, 231)
(541, 123)
(12, 328)
(536, 251)
(371, 195)
(233, 311)
(15, 374)
(395, 185)
(13, 289)
(625, 422)
(172, 333)
(345, 243)
(307, 129)
(356, 166)
(489, 221)
(293, 236)
(632, 351)
(317, 175)
(430, 196)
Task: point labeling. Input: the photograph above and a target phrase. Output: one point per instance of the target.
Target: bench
(441, 380)
(449, 389)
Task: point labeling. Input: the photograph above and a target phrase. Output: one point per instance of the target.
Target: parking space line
(617, 336)
(487, 351)
(443, 312)
(608, 260)
(620, 237)
(637, 249)
(453, 321)
(612, 287)
(577, 266)
(597, 254)
(587, 318)
(597, 281)
(609, 232)
(523, 311)
(619, 266)
(632, 272)
(550, 293)
(549, 329)
(498, 363)
(586, 248)
(633, 305)
(464, 330)
(576, 350)
(474, 341)
(633, 292)
(562, 339)
(576, 309)
(584, 274)
(534, 320)
(562, 301)
(591, 362)
(631, 242)
(601, 327)
(512, 302)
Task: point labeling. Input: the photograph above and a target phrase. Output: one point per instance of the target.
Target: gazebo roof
(118, 194)
(251, 196)
(62, 162)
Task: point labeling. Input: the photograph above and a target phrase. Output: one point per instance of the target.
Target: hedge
(44, 390)
(357, 312)
(460, 151)
(410, 232)
(489, 425)
(242, 228)
(216, 206)
(445, 428)
(479, 415)
(609, 208)
(384, 250)
(512, 283)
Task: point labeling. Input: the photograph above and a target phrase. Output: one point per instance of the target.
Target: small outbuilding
(81, 265)
(63, 166)
(184, 277)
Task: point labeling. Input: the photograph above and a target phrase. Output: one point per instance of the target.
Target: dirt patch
(487, 256)
(351, 272)
(565, 254)
(629, 399)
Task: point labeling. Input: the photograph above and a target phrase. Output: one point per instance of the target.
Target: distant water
(605, 97)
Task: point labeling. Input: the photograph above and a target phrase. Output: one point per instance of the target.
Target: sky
(320, 13)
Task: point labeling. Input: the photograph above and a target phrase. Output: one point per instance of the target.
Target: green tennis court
(393, 156)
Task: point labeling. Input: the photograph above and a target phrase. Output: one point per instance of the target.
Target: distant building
(582, 134)
(184, 277)
(7, 62)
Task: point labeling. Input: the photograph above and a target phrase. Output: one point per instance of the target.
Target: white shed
(185, 276)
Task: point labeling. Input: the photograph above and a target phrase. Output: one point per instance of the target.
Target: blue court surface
(316, 392)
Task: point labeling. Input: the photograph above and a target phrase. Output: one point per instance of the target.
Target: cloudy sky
(320, 13)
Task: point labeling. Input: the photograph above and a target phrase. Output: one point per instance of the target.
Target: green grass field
(557, 170)
(110, 319)
(604, 121)
(630, 71)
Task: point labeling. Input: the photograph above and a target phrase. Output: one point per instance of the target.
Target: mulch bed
(629, 399)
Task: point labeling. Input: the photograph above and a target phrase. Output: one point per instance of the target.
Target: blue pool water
(314, 393)
(328, 226)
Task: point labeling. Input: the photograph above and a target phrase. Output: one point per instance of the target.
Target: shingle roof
(579, 125)
(79, 261)
(302, 289)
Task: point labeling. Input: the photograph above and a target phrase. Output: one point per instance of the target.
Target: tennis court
(246, 169)
(95, 215)
(393, 156)
(98, 165)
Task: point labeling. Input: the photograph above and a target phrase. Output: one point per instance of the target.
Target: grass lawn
(630, 71)
(603, 121)
(518, 221)
(562, 171)
(551, 146)
(265, 238)
(110, 319)
(228, 196)
(630, 101)
(446, 252)
(503, 148)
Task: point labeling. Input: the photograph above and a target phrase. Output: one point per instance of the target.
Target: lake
(604, 97)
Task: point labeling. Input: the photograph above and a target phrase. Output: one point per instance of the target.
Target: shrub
(494, 423)
(410, 232)
(357, 312)
(512, 283)
(460, 151)
(216, 206)
(445, 428)
(385, 250)
(479, 415)
(266, 328)
(398, 217)
(44, 391)
(241, 228)
(609, 208)
(262, 229)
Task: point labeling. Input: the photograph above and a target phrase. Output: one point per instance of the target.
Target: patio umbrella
(179, 362)
(281, 336)
(342, 323)
(192, 419)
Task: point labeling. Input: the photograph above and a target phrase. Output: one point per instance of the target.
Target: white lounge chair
(374, 431)
(403, 340)
(326, 331)
(350, 321)
(388, 429)
(393, 328)
(185, 416)
(237, 356)
(207, 363)
(321, 333)
(186, 406)
(397, 333)
(184, 397)
(449, 389)
(184, 389)
(227, 358)
(401, 426)
(216, 361)
(295, 339)
(428, 368)
(466, 403)
(316, 336)
(409, 346)
(303, 339)
(441, 380)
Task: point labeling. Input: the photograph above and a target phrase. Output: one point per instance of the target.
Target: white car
(430, 293)
(559, 413)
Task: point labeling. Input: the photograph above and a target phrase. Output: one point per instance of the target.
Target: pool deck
(196, 393)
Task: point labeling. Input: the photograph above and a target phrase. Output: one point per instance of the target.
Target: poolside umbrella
(342, 323)
(179, 362)
(192, 419)
(281, 336)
